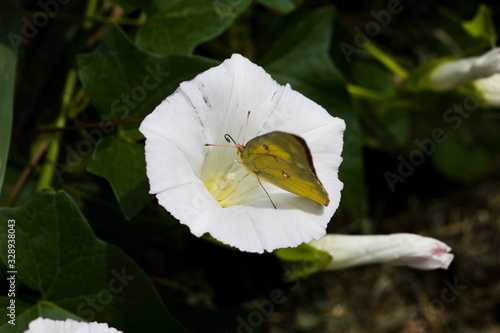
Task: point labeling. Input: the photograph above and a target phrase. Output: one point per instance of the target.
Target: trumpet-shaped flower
(452, 74)
(397, 249)
(43, 325)
(206, 188)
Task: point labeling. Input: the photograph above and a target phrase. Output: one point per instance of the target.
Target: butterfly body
(284, 160)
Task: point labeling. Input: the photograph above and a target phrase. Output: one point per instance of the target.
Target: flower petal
(396, 249)
(191, 180)
(44, 325)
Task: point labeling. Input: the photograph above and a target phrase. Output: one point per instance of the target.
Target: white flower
(489, 89)
(396, 249)
(452, 74)
(189, 179)
(43, 325)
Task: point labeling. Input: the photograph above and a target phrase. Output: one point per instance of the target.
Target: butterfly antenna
(246, 125)
(266, 192)
(228, 139)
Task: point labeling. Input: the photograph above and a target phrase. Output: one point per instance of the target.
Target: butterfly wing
(284, 160)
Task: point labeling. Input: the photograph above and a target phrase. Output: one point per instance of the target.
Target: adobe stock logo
(116, 285)
(372, 29)
(453, 117)
(40, 19)
(267, 307)
(437, 306)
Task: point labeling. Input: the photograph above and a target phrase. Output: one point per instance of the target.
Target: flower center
(224, 177)
(222, 187)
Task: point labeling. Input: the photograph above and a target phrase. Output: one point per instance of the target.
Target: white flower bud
(396, 249)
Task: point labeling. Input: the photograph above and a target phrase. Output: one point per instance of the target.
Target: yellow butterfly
(282, 159)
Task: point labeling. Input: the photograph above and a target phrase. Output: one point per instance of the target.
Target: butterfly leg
(265, 191)
(234, 189)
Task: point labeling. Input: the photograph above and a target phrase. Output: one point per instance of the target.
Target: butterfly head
(239, 147)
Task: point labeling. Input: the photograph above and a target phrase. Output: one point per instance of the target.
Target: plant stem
(375, 96)
(385, 60)
(99, 19)
(368, 94)
(90, 11)
(78, 127)
(47, 172)
(41, 146)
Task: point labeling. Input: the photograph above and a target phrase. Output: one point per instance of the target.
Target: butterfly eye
(265, 147)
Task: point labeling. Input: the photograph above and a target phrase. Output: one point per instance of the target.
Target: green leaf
(21, 307)
(481, 26)
(40, 78)
(130, 5)
(457, 40)
(300, 57)
(302, 260)
(282, 6)
(76, 274)
(182, 25)
(385, 121)
(122, 82)
(121, 162)
(10, 38)
(26, 313)
(461, 161)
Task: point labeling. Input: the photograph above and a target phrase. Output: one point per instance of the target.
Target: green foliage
(302, 260)
(123, 82)
(418, 80)
(122, 163)
(76, 274)
(481, 26)
(9, 28)
(461, 161)
(180, 26)
(130, 5)
(282, 6)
